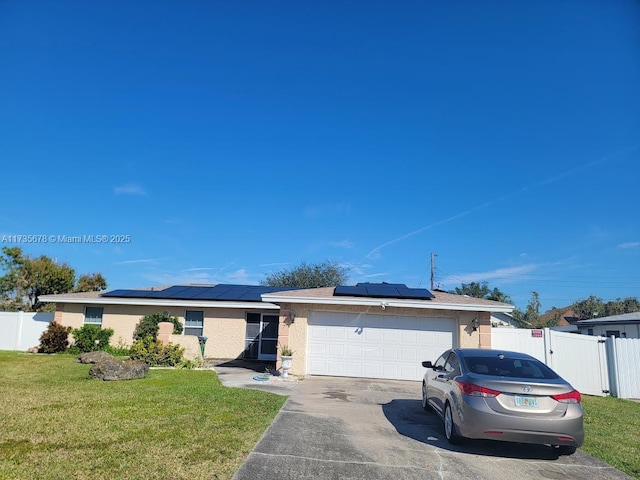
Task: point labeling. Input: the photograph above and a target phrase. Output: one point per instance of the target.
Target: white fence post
(19, 330)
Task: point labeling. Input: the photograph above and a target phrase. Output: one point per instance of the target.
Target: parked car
(501, 395)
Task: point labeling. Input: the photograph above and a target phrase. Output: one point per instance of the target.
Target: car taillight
(474, 390)
(571, 397)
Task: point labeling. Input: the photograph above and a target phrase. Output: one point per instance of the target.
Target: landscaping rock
(115, 369)
(94, 357)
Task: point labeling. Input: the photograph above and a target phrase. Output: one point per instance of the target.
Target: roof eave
(388, 302)
(159, 302)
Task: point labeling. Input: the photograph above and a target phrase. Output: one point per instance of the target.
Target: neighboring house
(500, 319)
(374, 330)
(626, 325)
(565, 316)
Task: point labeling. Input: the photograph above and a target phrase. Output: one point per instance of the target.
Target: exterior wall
(295, 334)
(630, 330)
(225, 328)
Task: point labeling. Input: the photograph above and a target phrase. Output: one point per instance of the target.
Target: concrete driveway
(342, 428)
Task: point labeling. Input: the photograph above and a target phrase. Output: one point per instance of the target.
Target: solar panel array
(383, 290)
(222, 292)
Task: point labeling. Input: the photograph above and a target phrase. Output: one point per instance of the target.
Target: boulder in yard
(115, 369)
(94, 357)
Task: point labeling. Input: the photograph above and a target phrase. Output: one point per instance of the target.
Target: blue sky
(230, 140)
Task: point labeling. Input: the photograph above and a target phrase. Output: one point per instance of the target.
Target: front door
(261, 341)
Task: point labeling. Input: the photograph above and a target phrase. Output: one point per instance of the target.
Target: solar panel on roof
(383, 290)
(349, 290)
(245, 293)
(128, 293)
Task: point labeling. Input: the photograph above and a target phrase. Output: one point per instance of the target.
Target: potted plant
(286, 355)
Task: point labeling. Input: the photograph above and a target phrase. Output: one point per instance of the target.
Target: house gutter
(388, 302)
(157, 302)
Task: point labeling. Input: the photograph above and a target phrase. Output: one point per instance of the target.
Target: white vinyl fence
(22, 330)
(582, 360)
(624, 363)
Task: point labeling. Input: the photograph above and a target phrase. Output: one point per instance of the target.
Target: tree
(91, 282)
(622, 305)
(26, 279)
(325, 274)
(481, 290)
(595, 307)
(589, 307)
(530, 318)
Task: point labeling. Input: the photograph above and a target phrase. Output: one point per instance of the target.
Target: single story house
(626, 325)
(371, 330)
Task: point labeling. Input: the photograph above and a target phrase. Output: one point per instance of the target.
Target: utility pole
(433, 270)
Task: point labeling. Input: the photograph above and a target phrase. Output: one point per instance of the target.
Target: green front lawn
(612, 432)
(59, 423)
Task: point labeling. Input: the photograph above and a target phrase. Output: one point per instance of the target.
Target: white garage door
(375, 346)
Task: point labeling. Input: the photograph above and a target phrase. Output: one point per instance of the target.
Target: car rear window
(509, 367)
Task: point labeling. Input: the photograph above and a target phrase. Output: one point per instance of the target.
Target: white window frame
(86, 322)
(186, 313)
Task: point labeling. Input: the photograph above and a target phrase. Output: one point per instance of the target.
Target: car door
(435, 393)
(446, 379)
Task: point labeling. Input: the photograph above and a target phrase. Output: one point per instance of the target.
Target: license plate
(531, 402)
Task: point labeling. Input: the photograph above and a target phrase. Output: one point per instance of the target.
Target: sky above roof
(218, 142)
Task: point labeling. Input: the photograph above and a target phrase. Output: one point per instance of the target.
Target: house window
(613, 333)
(93, 316)
(590, 331)
(194, 322)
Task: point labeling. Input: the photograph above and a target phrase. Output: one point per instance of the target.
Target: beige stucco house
(368, 330)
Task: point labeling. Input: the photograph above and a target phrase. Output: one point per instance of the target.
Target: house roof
(258, 296)
(217, 296)
(566, 316)
(440, 301)
(624, 318)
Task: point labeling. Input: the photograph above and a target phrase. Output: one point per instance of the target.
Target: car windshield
(505, 366)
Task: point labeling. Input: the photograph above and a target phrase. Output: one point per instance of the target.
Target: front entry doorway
(261, 341)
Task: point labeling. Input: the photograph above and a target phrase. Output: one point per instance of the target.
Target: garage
(375, 345)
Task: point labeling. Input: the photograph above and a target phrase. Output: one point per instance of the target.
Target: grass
(612, 432)
(58, 423)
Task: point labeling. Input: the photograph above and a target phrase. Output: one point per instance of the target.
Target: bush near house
(155, 354)
(149, 349)
(90, 338)
(148, 325)
(54, 339)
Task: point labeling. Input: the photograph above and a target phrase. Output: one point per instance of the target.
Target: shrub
(148, 326)
(186, 364)
(155, 354)
(90, 338)
(54, 339)
(120, 350)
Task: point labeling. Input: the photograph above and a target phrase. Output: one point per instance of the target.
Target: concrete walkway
(344, 428)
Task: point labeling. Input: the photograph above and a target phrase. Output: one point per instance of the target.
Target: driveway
(344, 428)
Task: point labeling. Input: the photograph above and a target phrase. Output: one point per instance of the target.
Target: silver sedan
(501, 395)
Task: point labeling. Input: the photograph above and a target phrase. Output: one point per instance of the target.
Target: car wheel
(425, 401)
(450, 429)
(566, 450)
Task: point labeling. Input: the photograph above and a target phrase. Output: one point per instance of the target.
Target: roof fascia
(387, 302)
(159, 302)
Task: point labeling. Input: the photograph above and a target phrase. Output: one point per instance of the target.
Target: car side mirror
(427, 364)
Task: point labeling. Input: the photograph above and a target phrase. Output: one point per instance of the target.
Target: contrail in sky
(502, 198)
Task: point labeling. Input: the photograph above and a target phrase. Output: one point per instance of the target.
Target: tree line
(27, 278)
